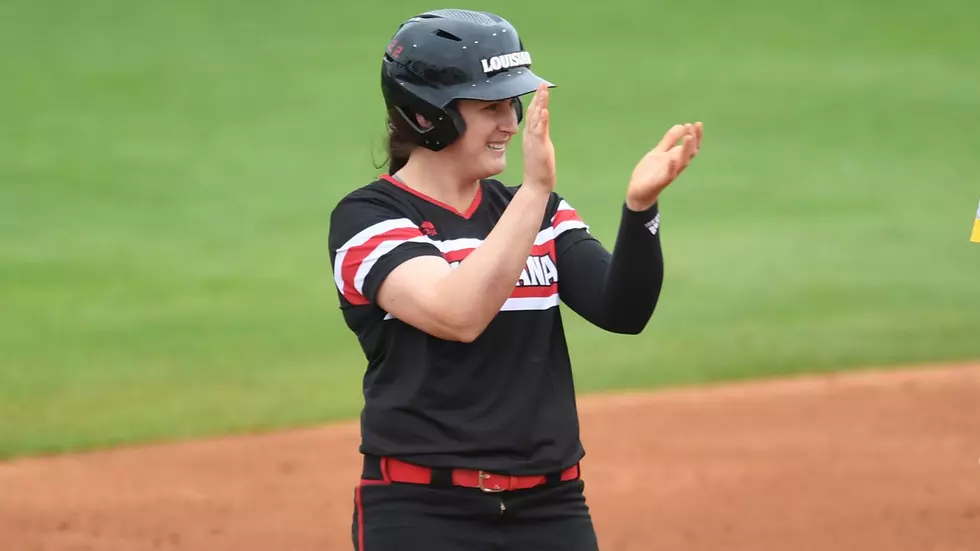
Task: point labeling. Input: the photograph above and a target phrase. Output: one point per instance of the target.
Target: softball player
(451, 282)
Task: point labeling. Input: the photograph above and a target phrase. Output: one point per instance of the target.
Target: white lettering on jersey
(506, 61)
(550, 270)
(539, 271)
(524, 279)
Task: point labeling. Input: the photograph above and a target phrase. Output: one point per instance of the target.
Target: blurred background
(167, 171)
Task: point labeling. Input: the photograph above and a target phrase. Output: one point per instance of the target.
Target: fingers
(670, 138)
(678, 131)
(539, 106)
(692, 144)
(697, 133)
(545, 96)
(530, 112)
(684, 156)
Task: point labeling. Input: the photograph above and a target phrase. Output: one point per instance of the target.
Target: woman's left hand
(659, 167)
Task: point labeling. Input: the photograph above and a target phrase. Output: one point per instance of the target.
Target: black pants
(409, 517)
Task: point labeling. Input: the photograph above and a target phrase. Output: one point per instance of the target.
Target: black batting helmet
(444, 55)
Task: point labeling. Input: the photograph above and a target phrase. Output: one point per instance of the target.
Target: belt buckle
(488, 489)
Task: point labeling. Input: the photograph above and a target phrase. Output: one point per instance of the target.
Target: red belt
(394, 470)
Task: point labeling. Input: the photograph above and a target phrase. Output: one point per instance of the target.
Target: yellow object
(975, 236)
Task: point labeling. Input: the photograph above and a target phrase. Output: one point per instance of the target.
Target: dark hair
(399, 143)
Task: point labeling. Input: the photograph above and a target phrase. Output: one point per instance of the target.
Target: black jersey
(506, 401)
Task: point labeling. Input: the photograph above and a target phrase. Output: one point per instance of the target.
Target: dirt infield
(869, 461)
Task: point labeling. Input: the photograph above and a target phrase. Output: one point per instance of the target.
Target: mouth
(498, 147)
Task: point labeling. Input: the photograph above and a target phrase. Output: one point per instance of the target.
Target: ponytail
(399, 143)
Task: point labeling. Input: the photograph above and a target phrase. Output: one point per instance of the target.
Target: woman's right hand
(539, 152)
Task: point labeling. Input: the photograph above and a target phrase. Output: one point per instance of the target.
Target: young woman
(451, 282)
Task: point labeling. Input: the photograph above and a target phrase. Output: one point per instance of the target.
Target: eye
(491, 107)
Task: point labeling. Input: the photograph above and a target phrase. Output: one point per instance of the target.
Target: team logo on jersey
(428, 229)
(506, 61)
(540, 271)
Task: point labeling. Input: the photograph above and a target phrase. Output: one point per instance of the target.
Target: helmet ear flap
(432, 128)
(452, 128)
(417, 121)
(518, 109)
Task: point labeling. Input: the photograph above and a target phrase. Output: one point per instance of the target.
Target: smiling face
(482, 148)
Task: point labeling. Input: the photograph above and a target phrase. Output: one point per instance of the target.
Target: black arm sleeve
(617, 292)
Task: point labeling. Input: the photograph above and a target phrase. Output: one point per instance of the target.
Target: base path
(866, 461)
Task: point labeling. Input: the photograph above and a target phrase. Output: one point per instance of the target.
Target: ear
(422, 121)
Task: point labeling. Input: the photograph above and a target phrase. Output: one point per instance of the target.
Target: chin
(494, 167)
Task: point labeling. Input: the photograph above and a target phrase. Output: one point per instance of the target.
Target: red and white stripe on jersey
(566, 218)
(532, 295)
(357, 256)
(455, 250)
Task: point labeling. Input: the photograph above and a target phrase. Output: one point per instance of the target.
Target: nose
(508, 120)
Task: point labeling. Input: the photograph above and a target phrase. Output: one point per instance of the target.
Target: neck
(439, 180)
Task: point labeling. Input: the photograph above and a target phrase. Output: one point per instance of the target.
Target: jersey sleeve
(567, 225)
(619, 290)
(368, 239)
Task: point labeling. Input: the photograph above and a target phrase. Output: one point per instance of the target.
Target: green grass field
(167, 171)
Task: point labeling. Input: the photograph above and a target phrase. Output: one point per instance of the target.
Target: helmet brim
(504, 85)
